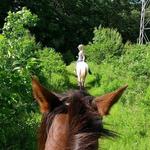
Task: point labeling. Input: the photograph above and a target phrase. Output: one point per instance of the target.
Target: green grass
(131, 122)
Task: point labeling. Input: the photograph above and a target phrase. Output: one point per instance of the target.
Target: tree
(65, 24)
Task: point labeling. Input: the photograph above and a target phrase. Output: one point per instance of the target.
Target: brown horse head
(72, 121)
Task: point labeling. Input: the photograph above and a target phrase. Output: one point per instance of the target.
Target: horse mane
(81, 129)
(80, 122)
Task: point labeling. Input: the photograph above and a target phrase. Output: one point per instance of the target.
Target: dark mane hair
(85, 125)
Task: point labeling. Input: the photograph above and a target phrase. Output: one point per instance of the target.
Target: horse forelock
(85, 123)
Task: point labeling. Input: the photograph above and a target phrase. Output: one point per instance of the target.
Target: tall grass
(132, 124)
(131, 121)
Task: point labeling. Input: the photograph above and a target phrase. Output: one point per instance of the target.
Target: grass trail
(132, 123)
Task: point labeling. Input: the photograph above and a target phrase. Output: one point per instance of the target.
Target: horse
(72, 121)
(81, 70)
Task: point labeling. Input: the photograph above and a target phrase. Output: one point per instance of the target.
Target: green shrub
(20, 57)
(137, 60)
(1, 37)
(131, 68)
(135, 64)
(107, 43)
(17, 48)
(16, 22)
(53, 69)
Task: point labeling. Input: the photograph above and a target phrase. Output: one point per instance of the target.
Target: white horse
(81, 70)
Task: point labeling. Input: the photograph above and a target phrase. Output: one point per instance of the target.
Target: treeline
(64, 24)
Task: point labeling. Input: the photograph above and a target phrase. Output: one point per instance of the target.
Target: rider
(81, 56)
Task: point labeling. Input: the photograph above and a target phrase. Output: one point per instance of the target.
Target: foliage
(65, 24)
(53, 69)
(1, 37)
(135, 65)
(137, 58)
(16, 52)
(20, 57)
(131, 68)
(107, 43)
(16, 23)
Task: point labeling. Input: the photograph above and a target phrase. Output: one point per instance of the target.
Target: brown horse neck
(57, 135)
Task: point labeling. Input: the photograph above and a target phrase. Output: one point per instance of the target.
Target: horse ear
(104, 103)
(47, 101)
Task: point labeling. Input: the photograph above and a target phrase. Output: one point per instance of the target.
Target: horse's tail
(89, 70)
(82, 70)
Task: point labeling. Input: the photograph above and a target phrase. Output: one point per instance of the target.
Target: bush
(17, 49)
(136, 59)
(17, 22)
(20, 57)
(53, 69)
(135, 64)
(107, 43)
(131, 68)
